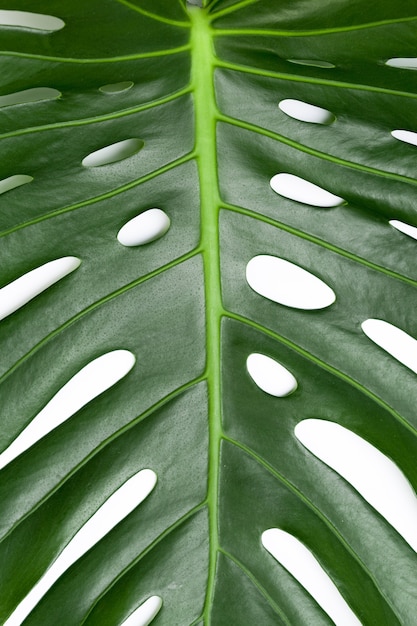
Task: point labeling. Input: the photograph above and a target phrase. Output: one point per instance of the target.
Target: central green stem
(205, 146)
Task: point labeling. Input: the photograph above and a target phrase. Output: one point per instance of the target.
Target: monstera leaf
(275, 140)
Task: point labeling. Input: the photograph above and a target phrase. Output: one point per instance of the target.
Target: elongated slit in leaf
(20, 291)
(369, 471)
(89, 382)
(118, 506)
(300, 562)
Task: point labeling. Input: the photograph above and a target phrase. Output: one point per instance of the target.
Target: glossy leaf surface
(188, 100)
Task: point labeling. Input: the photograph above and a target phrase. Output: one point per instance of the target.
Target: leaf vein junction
(154, 16)
(333, 370)
(152, 545)
(313, 152)
(258, 586)
(320, 242)
(329, 524)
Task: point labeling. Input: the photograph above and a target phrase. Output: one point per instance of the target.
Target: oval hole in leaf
(312, 63)
(122, 502)
(270, 376)
(25, 19)
(92, 380)
(145, 613)
(26, 96)
(407, 136)
(296, 188)
(17, 293)
(369, 471)
(14, 181)
(144, 228)
(393, 340)
(305, 112)
(288, 284)
(113, 153)
(300, 563)
(114, 88)
(404, 63)
(407, 229)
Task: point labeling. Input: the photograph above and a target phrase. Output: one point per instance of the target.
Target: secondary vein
(310, 80)
(312, 32)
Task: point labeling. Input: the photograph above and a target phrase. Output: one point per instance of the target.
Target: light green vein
(146, 414)
(104, 196)
(245, 69)
(182, 520)
(205, 148)
(98, 118)
(330, 525)
(232, 9)
(329, 368)
(97, 304)
(316, 153)
(320, 242)
(127, 57)
(154, 16)
(311, 33)
(258, 586)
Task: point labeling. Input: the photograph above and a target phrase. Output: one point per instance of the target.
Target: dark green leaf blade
(201, 91)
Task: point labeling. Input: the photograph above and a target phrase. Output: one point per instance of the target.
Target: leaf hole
(393, 340)
(115, 88)
(118, 506)
(113, 153)
(405, 63)
(296, 188)
(312, 63)
(26, 19)
(407, 229)
(91, 381)
(406, 136)
(376, 477)
(270, 376)
(7, 184)
(17, 293)
(298, 560)
(285, 283)
(144, 614)
(304, 112)
(144, 228)
(36, 94)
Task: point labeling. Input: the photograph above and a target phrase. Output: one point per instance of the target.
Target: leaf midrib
(206, 114)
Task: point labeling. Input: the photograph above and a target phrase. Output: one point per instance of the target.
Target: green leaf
(197, 89)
